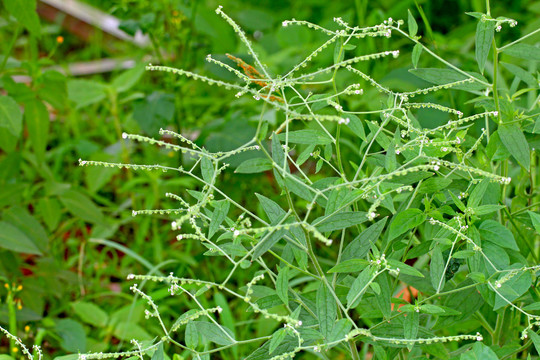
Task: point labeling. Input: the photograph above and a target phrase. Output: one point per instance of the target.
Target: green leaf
(90, 313)
(434, 185)
(484, 36)
(535, 219)
(532, 307)
(221, 209)
(214, 333)
(50, 211)
(12, 238)
(10, 116)
(282, 285)
(513, 139)
(498, 234)
(411, 325)
(207, 169)
(252, 166)
(535, 339)
(81, 206)
(439, 76)
(523, 75)
(478, 193)
(326, 310)
(412, 25)
(479, 351)
(349, 266)
(128, 79)
(85, 92)
(436, 269)
(356, 126)
(404, 268)
(277, 338)
(524, 51)
(340, 329)
(25, 13)
(73, 337)
(37, 121)
(359, 287)
(432, 309)
(340, 221)
(308, 137)
(360, 246)
(158, 353)
(405, 221)
(154, 112)
(274, 212)
(128, 330)
(486, 209)
(191, 336)
(339, 52)
(25, 222)
(416, 52)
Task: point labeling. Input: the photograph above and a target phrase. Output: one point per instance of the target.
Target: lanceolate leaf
(309, 137)
(282, 285)
(513, 139)
(524, 51)
(326, 310)
(217, 334)
(10, 115)
(405, 221)
(252, 166)
(221, 209)
(413, 26)
(340, 221)
(484, 36)
(359, 287)
(496, 233)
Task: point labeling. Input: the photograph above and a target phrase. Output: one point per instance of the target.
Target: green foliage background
(67, 234)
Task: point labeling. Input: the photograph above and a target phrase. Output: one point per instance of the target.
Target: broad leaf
(484, 36)
(326, 310)
(10, 116)
(405, 221)
(513, 139)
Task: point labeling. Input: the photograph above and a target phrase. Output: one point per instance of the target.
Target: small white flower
(124, 135)
(236, 233)
(285, 23)
(436, 168)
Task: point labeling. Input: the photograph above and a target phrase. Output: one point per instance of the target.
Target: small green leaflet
(413, 26)
(277, 338)
(405, 221)
(349, 266)
(271, 208)
(207, 169)
(326, 310)
(360, 246)
(355, 124)
(436, 269)
(440, 76)
(484, 36)
(404, 268)
(359, 287)
(221, 209)
(535, 339)
(478, 193)
(416, 52)
(282, 285)
(308, 137)
(340, 221)
(252, 166)
(513, 139)
(37, 120)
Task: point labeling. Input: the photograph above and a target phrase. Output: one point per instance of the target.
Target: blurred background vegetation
(81, 84)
